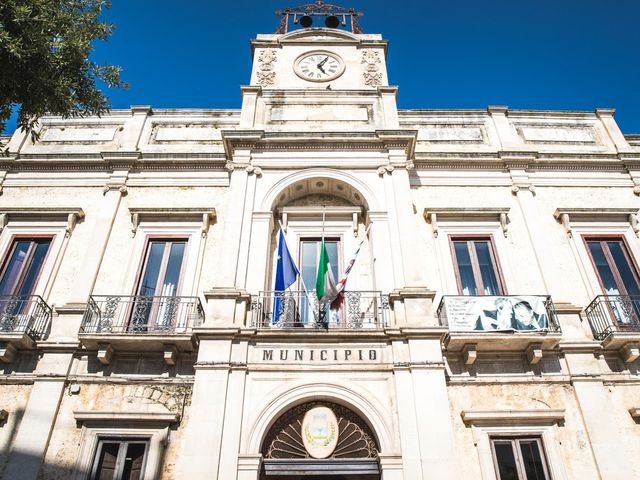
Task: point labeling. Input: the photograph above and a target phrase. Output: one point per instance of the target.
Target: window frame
(123, 425)
(144, 260)
(11, 248)
(314, 238)
(101, 439)
(514, 439)
(586, 238)
(452, 238)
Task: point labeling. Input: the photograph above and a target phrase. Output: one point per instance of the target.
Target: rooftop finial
(334, 17)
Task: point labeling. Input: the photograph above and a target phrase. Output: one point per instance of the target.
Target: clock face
(319, 66)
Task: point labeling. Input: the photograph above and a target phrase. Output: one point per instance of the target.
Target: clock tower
(319, 67)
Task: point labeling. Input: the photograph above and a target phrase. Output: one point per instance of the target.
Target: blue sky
(542, 54)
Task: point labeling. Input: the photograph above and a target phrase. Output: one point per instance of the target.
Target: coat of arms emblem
(320, 432)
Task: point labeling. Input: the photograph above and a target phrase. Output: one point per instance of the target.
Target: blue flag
(286, 275)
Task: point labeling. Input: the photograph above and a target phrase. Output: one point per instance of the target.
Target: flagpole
(321, 252)
(304, 287)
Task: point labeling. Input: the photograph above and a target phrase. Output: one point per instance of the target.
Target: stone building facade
(139, 250)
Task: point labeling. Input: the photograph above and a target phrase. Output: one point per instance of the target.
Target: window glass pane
(624, 267)
(603, 268)
(107, 457)
(155, 251)
(487, 268)
(332, 250)
(134, 461)
(507, 468)
(174, 265)
(34, 266)
(532, 460)
(465, 269)
(309, 263)
(14, 267)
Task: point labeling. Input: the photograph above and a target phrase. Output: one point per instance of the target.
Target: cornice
(259, 140)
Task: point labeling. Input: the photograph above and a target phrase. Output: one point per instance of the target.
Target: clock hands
(320, 65)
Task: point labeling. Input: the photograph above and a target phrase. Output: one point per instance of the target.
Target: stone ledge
(411, 292)
(475, 417)
(128, 417)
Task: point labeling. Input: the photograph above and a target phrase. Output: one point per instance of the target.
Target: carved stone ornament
(372, 77)
(266, 79)
(265, 75)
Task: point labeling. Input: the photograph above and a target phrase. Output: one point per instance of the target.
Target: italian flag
(325, 284)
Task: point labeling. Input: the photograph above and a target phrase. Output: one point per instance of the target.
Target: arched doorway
(296, 448)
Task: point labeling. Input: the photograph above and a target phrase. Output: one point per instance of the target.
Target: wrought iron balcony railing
(358, 310)
(141, 315)
(24, 314)
(506, 313)
(608, 314)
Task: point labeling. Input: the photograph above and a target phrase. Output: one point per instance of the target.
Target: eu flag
(286, 275)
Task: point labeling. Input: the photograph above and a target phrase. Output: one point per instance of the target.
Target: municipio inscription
(320, 355)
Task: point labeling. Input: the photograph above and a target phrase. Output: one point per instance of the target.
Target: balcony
(518, 323)
(359, 310)
(615, 321)
(140, 324)
(24, 319)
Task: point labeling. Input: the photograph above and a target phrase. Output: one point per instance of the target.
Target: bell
(332, 21)
(306, 21)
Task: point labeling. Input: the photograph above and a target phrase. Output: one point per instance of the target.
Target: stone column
(382, 253)
(201, 456)
(599, 418)
(223, 296)
(601, 425)
(391, 467)
(100, 223)
(432, 413)
(32, 438)
(229, 460)
(249, 467)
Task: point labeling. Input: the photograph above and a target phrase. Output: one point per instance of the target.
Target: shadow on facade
(151, 364)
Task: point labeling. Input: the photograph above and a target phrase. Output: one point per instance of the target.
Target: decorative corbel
(355, 224)
(504, 223)
(135, 222)
(4, 219)
(636, 190)
(285, 220)
(564, 219)
(385, 169)
(633, 220)
(250, 169)
(434, 224)
(206, 221)
(72, 219)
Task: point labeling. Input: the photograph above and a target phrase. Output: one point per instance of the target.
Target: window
(476, 266)
(23, 266)
(613, 264)
(162, 268)
(519, 458)
(309, 255)
(156, 304)
(118, 459)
